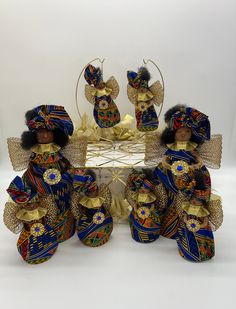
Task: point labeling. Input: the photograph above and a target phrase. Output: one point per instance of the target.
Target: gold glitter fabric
(75, 208)
(154, 151)
(75, 151)
(13, 218)
(161, 195)
(9, 217)
(216, 212)
(210, 151)
(18, 156)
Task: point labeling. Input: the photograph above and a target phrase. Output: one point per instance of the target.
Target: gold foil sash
(92, 202)
(121, 132)
(146, 198)
(195, 210)
(31, 215)
(42, 148)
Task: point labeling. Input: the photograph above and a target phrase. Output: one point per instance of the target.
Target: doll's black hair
(91, 173)
(148, 174)
(144, 74)
(200, 180)
(29, 139)
(168, 135)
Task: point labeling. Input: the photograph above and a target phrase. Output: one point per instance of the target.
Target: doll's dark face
(183, 134)
(44, 136)
(93, 193)
(143, 89)
(101, 86)
(143, 190)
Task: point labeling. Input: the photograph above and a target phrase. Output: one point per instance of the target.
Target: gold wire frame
(113, 154)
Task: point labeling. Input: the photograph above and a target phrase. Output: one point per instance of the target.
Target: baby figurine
(144, 217)
(31, 215)
(91, 208)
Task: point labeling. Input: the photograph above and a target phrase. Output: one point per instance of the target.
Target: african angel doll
(31, 215)
(42, 151)
(144, 97)
(144, 218)
(101, 94)
(91, 208)
(192, 212)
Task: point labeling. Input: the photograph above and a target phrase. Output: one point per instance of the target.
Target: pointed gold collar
(42, 148)
(189, 146)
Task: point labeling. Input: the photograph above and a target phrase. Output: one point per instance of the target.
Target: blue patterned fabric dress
(44, 168)
(147, 120)
(194, 246)
(39, 245)
(94, 226)
(145, 223)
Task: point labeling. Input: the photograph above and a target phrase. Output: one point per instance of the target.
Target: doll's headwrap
(84, 182)
(139, 181)
(193, 119)
(139, 79)
(93, 75)
(50, 117)
(20, 192)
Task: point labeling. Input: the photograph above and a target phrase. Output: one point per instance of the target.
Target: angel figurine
(91, 208)
(144, 97)
(31, 215)
(144, 216)
(101, 94)
(191, 212)
(42, 151)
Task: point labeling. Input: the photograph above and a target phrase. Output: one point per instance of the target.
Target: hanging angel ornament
(91, 208)
(32, 215)
(102, 95)
(144, 98)
(183, 152)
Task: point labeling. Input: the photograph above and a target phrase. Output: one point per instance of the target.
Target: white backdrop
(43, 47)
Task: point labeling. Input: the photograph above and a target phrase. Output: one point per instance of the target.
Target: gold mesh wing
(154, 151)
(113, 84)
(178, 201)
(130, 195)
(216, 212)
(9, 217)
(211, 151)
(76, 151)
(47, 201)
(89, 92)
(105, 192)
(75, 205)
(158, 92)
(161, 195)
(18, 156)
(132, 94)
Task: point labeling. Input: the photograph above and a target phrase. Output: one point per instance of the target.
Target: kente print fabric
(51, 173)
(144, 97)
(50, 117)
(144, 216)
(48, 171)
(102, 95)
(31, 215)
(91, 208)
(188, 215)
